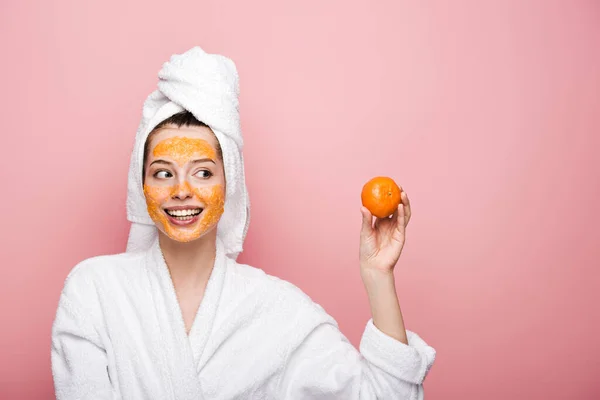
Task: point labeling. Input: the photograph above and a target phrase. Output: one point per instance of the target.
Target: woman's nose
(183, 191)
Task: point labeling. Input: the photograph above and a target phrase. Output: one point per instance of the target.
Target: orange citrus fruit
(381, 196)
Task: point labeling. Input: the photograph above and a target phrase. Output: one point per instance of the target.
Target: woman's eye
(203, 173)
(158, 174)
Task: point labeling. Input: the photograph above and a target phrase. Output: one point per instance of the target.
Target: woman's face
(184, 182)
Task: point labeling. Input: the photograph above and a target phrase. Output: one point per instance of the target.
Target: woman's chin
(181, 236)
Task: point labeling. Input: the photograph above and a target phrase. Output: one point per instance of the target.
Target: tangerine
(381, 196)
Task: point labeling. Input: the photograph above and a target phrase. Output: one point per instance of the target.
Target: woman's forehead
(170, 132)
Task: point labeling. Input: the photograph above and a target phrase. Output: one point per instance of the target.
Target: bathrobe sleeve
(79, 360)
(325, 365)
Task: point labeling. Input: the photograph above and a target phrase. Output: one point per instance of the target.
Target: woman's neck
(190, 263)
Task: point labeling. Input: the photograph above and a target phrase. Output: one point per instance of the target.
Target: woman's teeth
(184, 215)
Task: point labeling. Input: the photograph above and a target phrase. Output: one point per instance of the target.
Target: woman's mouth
(184, 217)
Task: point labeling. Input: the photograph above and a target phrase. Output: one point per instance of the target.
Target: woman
(176, 317)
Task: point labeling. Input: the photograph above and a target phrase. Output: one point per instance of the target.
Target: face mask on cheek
(212, 197)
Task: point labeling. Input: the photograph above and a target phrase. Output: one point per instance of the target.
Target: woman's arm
(381, 245)
(325, 365)
(385, 309)
(392, 362)
(79, 361)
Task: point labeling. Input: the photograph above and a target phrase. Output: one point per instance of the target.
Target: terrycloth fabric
(207, 85)
(119, 334)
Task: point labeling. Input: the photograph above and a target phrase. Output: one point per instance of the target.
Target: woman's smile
(183, 217)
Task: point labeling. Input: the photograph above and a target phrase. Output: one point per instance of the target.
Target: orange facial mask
(182, 150)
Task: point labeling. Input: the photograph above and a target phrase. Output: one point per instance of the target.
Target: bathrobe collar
(183, 353)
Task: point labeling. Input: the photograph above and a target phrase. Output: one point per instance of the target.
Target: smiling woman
(177, 317)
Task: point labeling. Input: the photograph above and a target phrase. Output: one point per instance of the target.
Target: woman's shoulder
(91, 271)
(257, 279)
(273, 304)
(273, 289)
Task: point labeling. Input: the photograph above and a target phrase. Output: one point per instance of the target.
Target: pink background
(487, 113)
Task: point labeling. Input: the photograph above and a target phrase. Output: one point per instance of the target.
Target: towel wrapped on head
(207, 85)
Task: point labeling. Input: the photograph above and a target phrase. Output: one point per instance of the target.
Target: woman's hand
(381, 244)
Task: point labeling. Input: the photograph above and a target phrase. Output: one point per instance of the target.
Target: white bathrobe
(119, 334)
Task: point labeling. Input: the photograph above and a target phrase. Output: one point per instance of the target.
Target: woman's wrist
(374, 278)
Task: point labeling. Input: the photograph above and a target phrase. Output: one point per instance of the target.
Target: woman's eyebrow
(161, 162)
(198, 160)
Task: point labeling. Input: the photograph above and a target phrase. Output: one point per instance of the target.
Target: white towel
(207, 85)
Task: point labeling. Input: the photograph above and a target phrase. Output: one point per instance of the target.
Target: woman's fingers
(367, 221)
(401, 222)
(407, 210)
